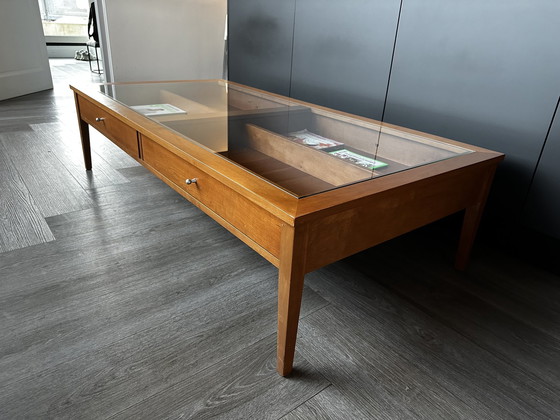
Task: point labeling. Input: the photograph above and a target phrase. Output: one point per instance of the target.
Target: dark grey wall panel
(481, 71)
(260, 43)
(543, 205)
(342, 53)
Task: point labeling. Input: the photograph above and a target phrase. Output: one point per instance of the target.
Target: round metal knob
(191, 181)
(99, 119)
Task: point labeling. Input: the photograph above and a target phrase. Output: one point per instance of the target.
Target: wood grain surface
(21, 222)
(54, 189)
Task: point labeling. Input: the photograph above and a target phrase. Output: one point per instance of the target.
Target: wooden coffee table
(302, 185)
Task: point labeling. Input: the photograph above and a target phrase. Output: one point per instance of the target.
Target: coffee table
(302, 185)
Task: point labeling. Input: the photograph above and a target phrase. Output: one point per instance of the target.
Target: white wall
(24, 65)
(162, 40)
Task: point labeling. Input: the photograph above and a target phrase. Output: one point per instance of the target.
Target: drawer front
(258, 224)
(117, 131)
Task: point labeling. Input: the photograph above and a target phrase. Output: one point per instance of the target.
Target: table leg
(471, 222)
(84, 135)
(290, 288)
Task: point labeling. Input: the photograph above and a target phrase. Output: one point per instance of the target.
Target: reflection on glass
(299, 147)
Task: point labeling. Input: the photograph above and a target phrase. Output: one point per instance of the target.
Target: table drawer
(118, 132)
(244, 215)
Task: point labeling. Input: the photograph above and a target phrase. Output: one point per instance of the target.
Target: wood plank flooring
(119, 299)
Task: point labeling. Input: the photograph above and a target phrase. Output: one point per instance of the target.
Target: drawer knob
(99, 119)
(191, 181)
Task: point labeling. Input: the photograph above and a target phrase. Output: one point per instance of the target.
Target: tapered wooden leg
(471, 222)
(86, 148)
(84, 135)
(290, 288)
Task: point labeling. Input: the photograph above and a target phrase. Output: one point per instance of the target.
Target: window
(52, 10)
(64, 18)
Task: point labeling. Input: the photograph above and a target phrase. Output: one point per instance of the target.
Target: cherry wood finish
(230, 206)
(119, 132)
(84, 135)
(305, 158)
(298, 235)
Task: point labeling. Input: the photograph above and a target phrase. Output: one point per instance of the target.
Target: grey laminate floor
(119, 299)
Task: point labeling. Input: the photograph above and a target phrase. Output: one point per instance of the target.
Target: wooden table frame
(298, 235)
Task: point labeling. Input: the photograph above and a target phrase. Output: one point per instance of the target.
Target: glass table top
(301, 148)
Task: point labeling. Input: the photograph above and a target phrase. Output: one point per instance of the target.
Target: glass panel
(301, 148)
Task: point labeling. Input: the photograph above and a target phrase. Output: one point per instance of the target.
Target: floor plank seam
(41, 235)
(330, 384)
(482, 346)
(191, 375)
(128, 337)
(508, 310)
(327, 303)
